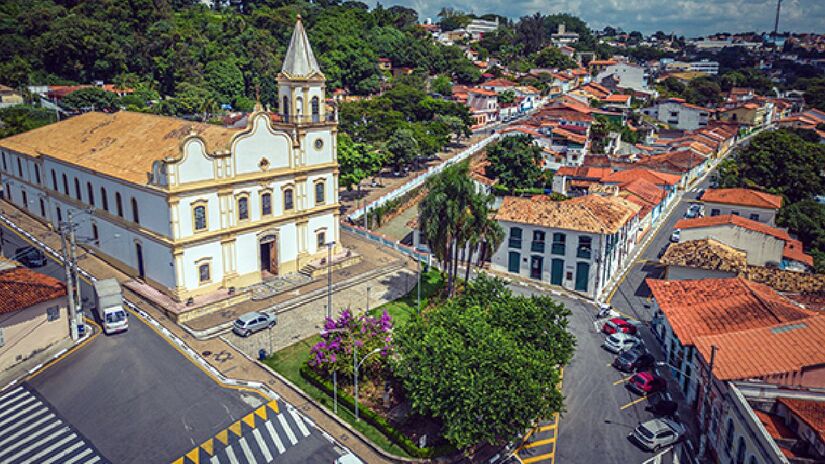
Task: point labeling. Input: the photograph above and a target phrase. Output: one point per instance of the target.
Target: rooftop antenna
(776, 21)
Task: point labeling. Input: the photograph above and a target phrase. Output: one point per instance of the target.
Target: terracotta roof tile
(645, 190)
(705, 254)
(122, 145)
(743, 197)
(775, 349)
(589, 213)
(774, 425)
(23, 288)
(794, 252)
(658, 178)
(499, 83)
(583, 171)
(811, 412)
(679, 161)
(731, 219)
(716, 306)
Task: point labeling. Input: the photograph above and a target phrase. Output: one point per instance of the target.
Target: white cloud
(688, 17)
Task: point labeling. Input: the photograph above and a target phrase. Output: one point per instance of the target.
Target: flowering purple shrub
(335, 351)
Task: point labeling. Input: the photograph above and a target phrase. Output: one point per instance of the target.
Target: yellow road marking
(538, 458)
(274, 406)
(622, 380)
(70, 351)
(540, 442)
(178, 461)
(636, 401)
(223, 436)
(547, 427)
(261, 412)
(194, 455)
(209, 446)
(236, 428)
(249, 420)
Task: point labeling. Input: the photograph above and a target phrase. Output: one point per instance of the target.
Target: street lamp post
(368, 300)
(329, 315)
(356, 366)
(418, 262)
(334, 372)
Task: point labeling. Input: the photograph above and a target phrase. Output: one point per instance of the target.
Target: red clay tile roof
(743, 197)
(485, 92)
(499, 83)
(602, 62)
(658, 178)
(23, 288)
(775, 349)
(795, 252)
(679, 161)
(716, 306)
(580, 139)
(811, 412)
(774, 425)
(645, 190)
(589, 213)
(583, 171)
(731, 219)
(617, 98)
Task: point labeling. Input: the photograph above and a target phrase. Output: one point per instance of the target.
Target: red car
(617, 324)
(645, 383)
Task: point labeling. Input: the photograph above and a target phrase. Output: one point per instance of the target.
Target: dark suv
(634, 360)
(30, 257)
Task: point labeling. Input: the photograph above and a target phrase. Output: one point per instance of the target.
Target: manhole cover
(206, 353)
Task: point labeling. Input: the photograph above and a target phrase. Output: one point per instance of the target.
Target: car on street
(635, 359)
(675, 236)
(252, 322)
(348, 458)
(659, 404)
(694, 211)
(658, 433)
(645, 383)
(618, 325)
(30, 257)
(620, 342)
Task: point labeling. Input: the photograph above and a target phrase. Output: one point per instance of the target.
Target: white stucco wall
(761, 248)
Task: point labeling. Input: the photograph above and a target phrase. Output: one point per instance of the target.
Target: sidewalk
(215, 354)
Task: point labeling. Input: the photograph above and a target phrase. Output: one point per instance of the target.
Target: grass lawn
(289, 360)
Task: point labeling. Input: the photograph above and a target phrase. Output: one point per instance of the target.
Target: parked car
(617, 324)
(645, 383)
(676, 236)
(620, 342)
(657, 433)
(252, 322)
(30, 257)
(635, 359)
(348, 458)
(659, 405)
(693, 211)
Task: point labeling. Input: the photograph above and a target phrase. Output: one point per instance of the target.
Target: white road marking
(18, 424)
(36, 444)
(287, 429)
(30, 437)
(50, 448)
(16, 398)
(230, 453)
(16, 390)
(17, 406)
(275, 437)
(262, 445)
(65, 452)
(215, 460)
(93, 460)
(298, 421)
(15, 416)
(250, 458)
(80, 456)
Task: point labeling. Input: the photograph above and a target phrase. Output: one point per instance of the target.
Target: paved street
(135, 398)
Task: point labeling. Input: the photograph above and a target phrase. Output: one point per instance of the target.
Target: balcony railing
(583, 253)
(302, 119)
(557, 249)
(515, 243)
(537, 246)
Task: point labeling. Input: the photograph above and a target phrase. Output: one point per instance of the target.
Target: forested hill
(184, 49)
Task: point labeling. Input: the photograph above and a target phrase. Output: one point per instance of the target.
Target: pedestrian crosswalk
(32, 431)
(259, 437)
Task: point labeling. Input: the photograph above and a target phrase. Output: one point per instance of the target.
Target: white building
(189, 207)
(625, 76)
(478, 27)
(577, 244)
(678, 114)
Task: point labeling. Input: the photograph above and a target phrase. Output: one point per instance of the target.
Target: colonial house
(577, 244)
(33, 315)
(763, 244)
(191, 208)
(752, 204)
(684, 163)
(688, 311)
(752, 115)
(679, 114)
(483, 105)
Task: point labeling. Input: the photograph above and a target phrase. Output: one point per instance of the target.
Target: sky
(683, 17)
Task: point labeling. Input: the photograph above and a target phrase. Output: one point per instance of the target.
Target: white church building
(191, 207)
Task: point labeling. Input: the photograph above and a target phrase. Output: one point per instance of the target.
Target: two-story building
(577, 244)
(752, 204)
(679, 114)
(188, 207)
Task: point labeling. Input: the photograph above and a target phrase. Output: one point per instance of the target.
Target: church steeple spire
(299, 61)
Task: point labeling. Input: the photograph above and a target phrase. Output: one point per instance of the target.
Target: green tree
(225, 80)
(807, 219)
(460, 361)
(508, 96)
(703, 91)
(91, 98)
(190, 99)
(357, 161)
(455, 126)
(515, 162)
(403, 146)
(551, 57)
(442, 85)
(21, 118)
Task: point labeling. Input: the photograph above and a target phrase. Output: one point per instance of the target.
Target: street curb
(290, 305)
(324, 409)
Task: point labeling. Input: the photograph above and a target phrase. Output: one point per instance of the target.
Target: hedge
(376, 420)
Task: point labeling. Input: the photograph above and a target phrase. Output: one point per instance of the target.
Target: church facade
(188, 207)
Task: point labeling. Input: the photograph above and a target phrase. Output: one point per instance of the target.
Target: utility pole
(703, 440)
(418, 262)
(67, 264)
(75, 275)
(776, 21)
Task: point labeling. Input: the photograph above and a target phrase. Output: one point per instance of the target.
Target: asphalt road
(137, 399)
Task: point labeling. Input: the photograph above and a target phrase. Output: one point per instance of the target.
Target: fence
(419, 181)
(424, 257)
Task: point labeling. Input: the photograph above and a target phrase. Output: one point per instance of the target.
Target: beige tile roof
(590, 213)
(122, 145)
(705, 254)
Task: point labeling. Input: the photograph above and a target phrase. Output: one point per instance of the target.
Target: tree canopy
(516, 162)
(459, 362)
